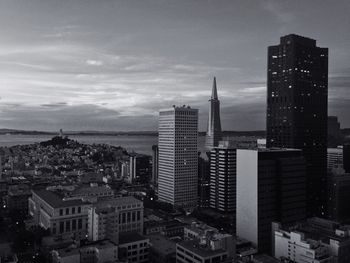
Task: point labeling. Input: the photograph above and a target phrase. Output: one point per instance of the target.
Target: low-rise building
(162, 249)
(108, 218)
(102, 251)
(296, 247)
(17, 199)
(50, 211)
(133, 247)
(205, 244)
(315, 240)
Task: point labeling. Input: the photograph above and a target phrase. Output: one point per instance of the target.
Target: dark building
(203, 182)
(17, 199)
(346, 157)
(140, 168)
(339, 195)
(155, 165)
(333, 126)
(271, 186)
(213, 135)
(297, 91)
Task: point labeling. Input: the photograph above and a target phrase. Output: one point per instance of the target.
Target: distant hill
(259, 133)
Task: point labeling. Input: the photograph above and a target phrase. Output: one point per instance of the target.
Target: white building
(294, 246)
(178, 156)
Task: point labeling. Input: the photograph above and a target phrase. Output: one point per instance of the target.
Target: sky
(112, 65)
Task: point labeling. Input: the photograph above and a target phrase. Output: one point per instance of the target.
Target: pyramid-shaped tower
(213, 135)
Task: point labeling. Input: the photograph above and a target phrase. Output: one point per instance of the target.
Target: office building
(203, 182)
(346, 157)
(339, 195)
(178, 157)
(223, 177)
(103, 251)
(155, 165)
(205, 244)
(140, 168)
(297, 92)
(270, 187)
(51, 211)
(110, 218)
(133, 248)
(213, 135)
(17, 199)
(162, 249)
(334, 157)
(103, 223)
(334, 132)
(294, 246)
(314, 240)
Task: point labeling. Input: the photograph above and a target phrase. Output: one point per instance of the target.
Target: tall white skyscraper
(178, 156)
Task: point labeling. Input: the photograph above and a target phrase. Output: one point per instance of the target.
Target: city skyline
(101, 66)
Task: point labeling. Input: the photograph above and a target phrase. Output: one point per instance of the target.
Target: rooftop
(202, 251)
(162, 244)
(55, 200)
(125, 238)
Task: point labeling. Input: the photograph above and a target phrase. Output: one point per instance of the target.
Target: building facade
(178, 156)
(294, 246)
(61, 217)
(334, 157)
(297, 93)
(223, 178)
(110, 218)
(155, 165)
(270, 187)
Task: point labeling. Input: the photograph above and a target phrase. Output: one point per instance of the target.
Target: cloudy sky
(111, 65)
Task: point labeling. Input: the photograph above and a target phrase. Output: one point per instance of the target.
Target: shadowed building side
(213, 135)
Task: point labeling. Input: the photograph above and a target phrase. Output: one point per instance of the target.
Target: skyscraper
(297, 91)
(270, 187)
(213, 135)
(155, 154)
(178, 156)
(203, 182)
(223, 177)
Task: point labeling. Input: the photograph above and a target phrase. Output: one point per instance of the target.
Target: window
(79, 209)
(61, 212)
(138, 215)
(123, 218)
(80, 223)
(74, 224)
(73, 210)
(61, 227)
(67, 211)
(68, 226)
(129, 216)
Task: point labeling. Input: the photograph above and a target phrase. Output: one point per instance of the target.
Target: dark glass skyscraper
(297, 92)
(213, 135)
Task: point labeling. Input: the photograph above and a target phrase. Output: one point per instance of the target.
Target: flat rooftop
(55, 200)
(131, 237)
(200, 251)
(162, 244)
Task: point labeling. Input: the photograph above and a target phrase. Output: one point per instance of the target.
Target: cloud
(92, 62)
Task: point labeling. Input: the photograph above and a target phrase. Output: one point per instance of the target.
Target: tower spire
(213, 135)
(214, 93)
